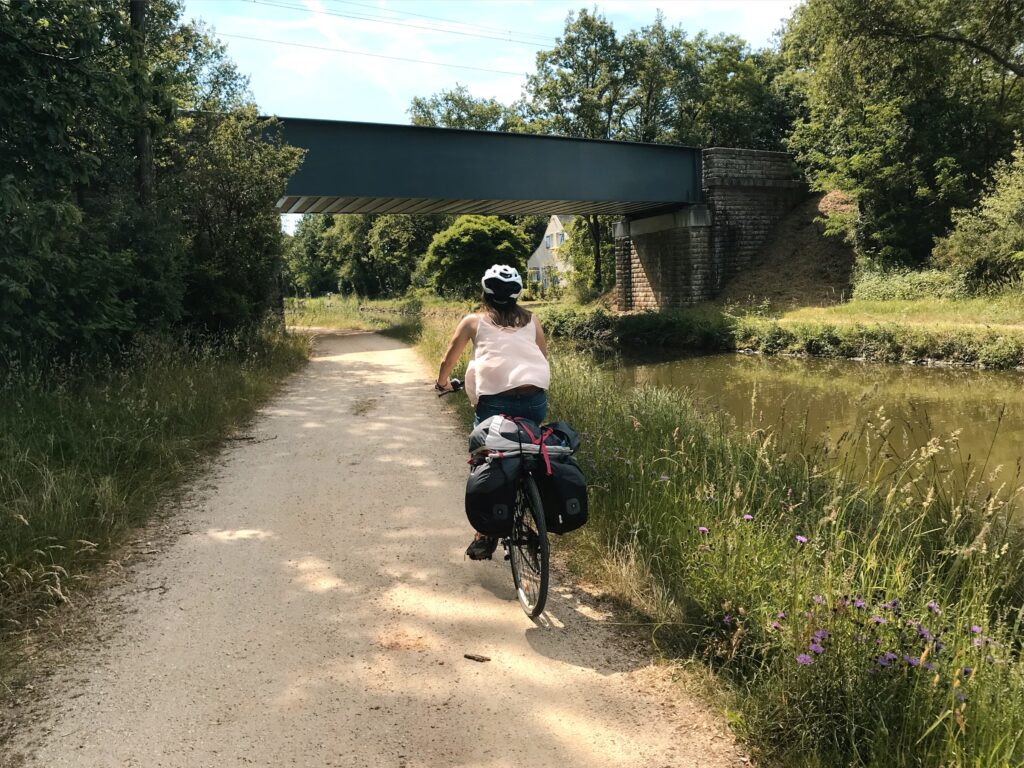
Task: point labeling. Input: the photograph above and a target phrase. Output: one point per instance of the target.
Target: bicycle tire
(529, 550)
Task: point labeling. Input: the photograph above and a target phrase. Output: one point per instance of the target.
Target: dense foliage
(371, 255)
(136, 182)
(459, 255)
(908, 106)
(987, 242)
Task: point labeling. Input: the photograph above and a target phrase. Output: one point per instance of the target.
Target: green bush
(884, 342)
(458, 256)
(987, 242)
(874, 285)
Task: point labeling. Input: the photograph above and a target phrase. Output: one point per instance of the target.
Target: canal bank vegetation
(855, 615)
(859, 619)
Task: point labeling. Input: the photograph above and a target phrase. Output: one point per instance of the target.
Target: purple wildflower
(924, 634)
(858, 603)
(818, 599)
(727, 620)
(843, 602)
(776, 626)
(803, 659)
(929, 666)
(801, 539)
(822, 634)
(816, 648)
(748, 518)
(702, 529)
(975, 629)
(966, 671)
(780, 615)
(960, 696)
(913, 661)
(886, 659)
(978, 642)
(878, 620)
(933, 607)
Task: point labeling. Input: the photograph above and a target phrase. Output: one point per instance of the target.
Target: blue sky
(498, 35)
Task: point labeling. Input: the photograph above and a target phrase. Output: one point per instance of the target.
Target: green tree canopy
(459, 256)
(458, 108)
(987, 241)
(909, 106)
(87, 260)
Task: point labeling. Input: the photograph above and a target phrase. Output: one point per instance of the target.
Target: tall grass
(859, 620)
(86, 454)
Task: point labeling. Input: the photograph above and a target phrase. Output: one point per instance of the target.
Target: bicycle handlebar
(456, 386)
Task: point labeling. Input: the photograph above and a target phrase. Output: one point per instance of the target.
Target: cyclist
(509, 372)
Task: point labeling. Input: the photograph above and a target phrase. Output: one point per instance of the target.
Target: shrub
(987, 242)
(458, 256)
(873, 285)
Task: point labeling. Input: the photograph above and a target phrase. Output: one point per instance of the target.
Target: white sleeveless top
(505, 358)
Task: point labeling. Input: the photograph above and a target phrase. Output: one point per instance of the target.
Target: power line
(378, 20)
(546, 38)
(373, 55)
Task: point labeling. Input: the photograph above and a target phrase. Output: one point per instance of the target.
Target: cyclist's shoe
(482, 548)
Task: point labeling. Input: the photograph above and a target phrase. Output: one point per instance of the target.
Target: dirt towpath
(314, 606)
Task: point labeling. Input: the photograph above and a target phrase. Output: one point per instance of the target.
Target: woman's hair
(507, 314)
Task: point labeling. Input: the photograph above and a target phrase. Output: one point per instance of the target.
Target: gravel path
(313, 606)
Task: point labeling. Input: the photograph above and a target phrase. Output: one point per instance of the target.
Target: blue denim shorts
(532, 406)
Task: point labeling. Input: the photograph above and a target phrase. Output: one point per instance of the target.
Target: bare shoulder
(469, 324)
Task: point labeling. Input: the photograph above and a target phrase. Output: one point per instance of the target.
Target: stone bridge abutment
(683, 257)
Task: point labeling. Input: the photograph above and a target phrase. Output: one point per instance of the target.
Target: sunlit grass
(1006, 309)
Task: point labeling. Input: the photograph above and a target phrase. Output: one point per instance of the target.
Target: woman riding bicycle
(509, 372)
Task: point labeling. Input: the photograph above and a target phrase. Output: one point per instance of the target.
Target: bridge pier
(686, 256)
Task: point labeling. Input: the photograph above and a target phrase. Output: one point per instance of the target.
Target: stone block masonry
(685, 257)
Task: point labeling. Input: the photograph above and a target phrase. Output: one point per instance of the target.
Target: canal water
(807, 401)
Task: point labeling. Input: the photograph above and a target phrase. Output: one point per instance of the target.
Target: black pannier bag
(563, 494)
(491, 495)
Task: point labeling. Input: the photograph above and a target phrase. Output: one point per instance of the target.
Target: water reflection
(804, 401)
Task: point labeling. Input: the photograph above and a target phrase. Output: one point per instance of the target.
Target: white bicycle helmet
(502, 282)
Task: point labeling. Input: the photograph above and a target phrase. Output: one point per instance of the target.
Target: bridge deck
(377, 168)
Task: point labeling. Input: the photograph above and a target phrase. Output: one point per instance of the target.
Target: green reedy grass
(659, 472)
(87, 454)
(999, 309)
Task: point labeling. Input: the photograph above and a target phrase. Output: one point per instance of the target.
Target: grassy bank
(86, 455)
(871, 623)
(880, 331)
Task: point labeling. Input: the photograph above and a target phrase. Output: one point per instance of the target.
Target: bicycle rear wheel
(528, 549)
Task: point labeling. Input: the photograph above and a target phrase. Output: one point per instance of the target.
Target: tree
(579, 89)
(724, 96)
(904, 110)
(397, 244)
(653, 62)
(83, 265)
(987, 242)
(458, 256)
(312, 263)
(458, 108)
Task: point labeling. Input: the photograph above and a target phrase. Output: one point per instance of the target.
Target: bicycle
(526, 547)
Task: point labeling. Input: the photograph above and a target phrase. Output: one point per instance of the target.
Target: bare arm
(464, 333)
(541, 341)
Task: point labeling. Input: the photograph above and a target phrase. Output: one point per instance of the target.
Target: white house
(544, 266)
